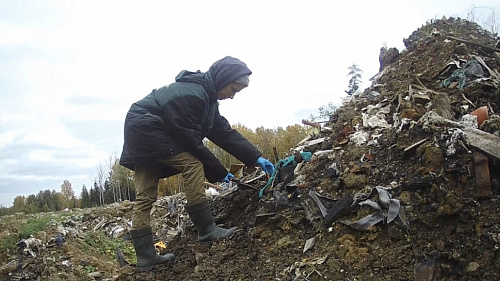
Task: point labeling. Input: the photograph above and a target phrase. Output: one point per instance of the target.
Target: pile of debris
(402, 183)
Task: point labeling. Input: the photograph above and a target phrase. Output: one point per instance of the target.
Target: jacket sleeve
(232, 141)
(185, 123)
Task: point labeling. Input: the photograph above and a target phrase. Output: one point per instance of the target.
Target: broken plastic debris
(457, 139)
(481, 114)
(309, 244)
(281, 199)
(59, 240)
(375, 121)
(339, 208)
(315, 197)
(386, 209)
(160, 245)
(471, 69)
(211, 191)
(30, 245)
(469, 120)
(360, 137)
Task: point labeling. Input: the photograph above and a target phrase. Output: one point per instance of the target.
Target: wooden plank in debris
(482, 172)
(308, 137)
(486, 142)
(311, 123)
(100, 224)
(214, 186)
(309, 143)
(485, 48)
(316, 141)
(411, 149)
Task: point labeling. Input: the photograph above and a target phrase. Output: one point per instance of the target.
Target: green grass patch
(8, 244)
(22, 228)
(107, 245)
(33, 226)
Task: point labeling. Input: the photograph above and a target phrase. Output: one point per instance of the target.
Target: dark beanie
(227, 70)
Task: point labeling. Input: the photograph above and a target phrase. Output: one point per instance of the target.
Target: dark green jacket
(176, 118)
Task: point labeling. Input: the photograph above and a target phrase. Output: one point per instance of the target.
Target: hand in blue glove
(228, 177)
(267, 166)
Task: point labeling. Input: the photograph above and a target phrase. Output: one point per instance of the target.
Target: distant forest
(115, 183)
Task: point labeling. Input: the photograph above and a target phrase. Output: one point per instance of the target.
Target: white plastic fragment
(469, 121)
(360, 137)
(309, 244)
(375, 121)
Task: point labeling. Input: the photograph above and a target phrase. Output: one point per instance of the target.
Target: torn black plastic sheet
(386, 209)
(315, 197)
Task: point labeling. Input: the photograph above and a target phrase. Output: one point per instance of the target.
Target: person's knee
(145, 200)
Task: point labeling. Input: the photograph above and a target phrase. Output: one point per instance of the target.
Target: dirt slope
(450, 228)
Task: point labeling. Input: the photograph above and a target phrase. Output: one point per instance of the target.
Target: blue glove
(267, 166)
(228, 177)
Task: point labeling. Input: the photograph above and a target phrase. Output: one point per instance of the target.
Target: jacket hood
(226, 70)
(203, 78)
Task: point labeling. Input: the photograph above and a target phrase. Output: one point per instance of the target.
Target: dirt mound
(401, 184)
(407, 134)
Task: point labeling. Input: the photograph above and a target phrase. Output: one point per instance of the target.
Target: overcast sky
(69, 70)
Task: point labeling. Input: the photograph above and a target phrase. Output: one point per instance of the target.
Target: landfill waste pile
(402, 183)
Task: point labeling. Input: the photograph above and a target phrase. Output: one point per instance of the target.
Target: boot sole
(151, 267)
(210, 242)
(145, 268)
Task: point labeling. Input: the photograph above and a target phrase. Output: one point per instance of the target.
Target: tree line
(116, 184)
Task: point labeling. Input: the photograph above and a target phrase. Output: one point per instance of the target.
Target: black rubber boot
(201, 216)
(145, 249)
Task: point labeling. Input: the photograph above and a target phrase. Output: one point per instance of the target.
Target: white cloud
(15, 35)
(40, 156)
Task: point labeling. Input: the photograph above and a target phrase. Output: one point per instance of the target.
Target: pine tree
(86, 200)
(354, 80)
